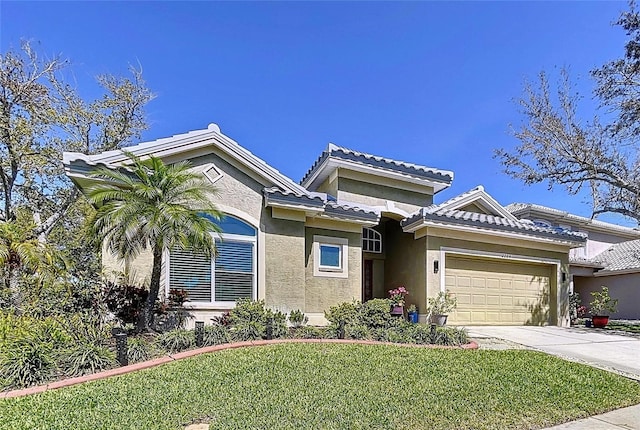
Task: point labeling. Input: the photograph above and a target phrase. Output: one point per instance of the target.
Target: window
(227, 277)
(330, 256)
(371, 240)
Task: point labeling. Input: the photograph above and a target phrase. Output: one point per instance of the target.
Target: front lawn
(331, 386)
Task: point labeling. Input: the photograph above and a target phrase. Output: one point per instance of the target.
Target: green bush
(357, 331)
(247, 310)
(85, 358)
(277, 322)
(248, 330)
(421, 334)
(27, 360)
(450, 336)
(309, 332)
(297, 318)
(176, 340)
(139, 349)
(375, 313)
(215, 335)
(343, 313)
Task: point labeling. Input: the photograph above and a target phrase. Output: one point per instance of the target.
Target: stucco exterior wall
(323, 292)
(406, 264)
(377, 195)
(559, 308)
(284, 263)
(136, 272)
(625, 288)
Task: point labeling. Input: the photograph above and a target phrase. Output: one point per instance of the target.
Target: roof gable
(78, 165)
(480, 198)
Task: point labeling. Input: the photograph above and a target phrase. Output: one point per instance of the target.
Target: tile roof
(525, 209)
(322, 203)
(437, 213)
(347, 154)
(620, 257)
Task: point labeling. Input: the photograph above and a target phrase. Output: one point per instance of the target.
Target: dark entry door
(367, 280)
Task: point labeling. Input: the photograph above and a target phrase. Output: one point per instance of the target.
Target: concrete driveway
(606, 351)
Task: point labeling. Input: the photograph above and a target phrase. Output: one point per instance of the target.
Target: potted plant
(397, 296)
(412, 314)
(601, 307)
(440, 306)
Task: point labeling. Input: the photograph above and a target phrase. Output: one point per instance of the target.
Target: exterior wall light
(436, 266)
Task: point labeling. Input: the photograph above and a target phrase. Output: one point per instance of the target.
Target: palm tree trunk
(154, 288)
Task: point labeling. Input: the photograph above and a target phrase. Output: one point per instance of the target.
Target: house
(610, 256)
(356, 226)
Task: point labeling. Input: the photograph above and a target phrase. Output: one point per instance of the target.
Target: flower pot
(439, 319)
(397, 310)
(413, 317)
(600, 321)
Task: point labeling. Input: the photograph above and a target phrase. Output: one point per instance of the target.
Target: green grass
(624, 326)
(315, 386)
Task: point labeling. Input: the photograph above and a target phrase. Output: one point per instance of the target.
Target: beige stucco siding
(323, 292)
(625, 288)
(236, 189)
(373, 194)
(284, 264)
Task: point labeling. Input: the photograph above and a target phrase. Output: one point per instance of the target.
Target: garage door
(499, 292)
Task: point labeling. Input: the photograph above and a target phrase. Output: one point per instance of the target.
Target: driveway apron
(606, 351)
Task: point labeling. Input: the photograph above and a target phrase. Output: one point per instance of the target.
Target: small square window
(330, 256)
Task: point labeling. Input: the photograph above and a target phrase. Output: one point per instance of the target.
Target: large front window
(225, 278)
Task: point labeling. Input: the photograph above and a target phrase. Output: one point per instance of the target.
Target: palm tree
(22, 255)
(150, 204)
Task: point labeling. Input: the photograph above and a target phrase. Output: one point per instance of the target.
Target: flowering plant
(397, 296)
(581, 311)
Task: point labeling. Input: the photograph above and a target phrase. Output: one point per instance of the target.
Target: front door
(367, 280)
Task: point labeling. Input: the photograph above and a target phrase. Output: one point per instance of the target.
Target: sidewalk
(625, 418)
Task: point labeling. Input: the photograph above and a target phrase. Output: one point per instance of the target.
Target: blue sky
(432, 83)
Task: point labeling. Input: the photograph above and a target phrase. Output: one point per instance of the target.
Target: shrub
(125, 301)
(309, 332)
(176, 340)
(276, 322)
(84, 358)
(450, 336)
(215, 335)
(248, 330)
(297, 318)
(421, 334)
(375, 313)
(223, 320)
(357, 331)
(27, 361)
(139, 349)
(344, 313)
(247, 310)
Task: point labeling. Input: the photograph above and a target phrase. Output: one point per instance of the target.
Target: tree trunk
(154, 288)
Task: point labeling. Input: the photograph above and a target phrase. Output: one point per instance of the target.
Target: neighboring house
(610, 257)
(356, 226)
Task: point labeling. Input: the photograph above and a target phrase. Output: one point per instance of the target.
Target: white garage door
(499, 292)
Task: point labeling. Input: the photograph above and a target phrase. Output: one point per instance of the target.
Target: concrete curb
(208, 349)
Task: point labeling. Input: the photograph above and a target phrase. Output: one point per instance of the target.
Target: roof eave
(485, 229)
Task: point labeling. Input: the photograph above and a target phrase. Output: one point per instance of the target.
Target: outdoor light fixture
(564, 277)
(436, 266)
